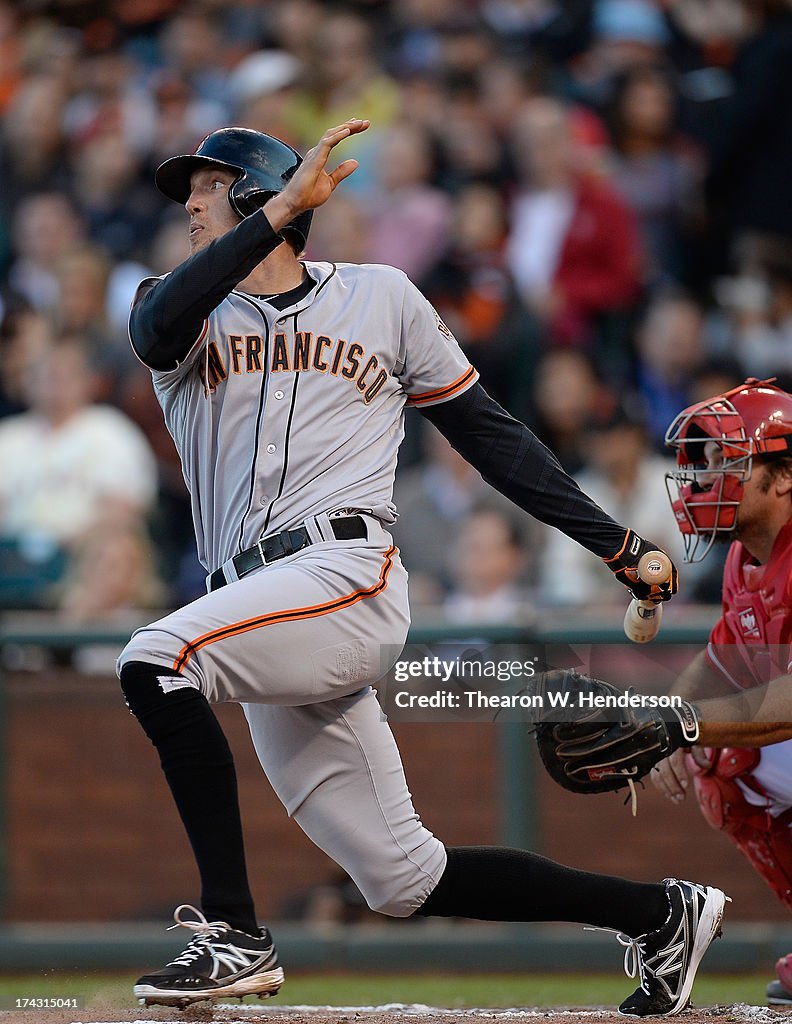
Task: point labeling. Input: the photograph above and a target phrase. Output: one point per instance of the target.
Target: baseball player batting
(283, 384)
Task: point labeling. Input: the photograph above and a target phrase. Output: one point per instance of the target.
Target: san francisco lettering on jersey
(244, 353)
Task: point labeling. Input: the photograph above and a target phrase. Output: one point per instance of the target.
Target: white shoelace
(633, 953)
(633, 958)
(204, 931)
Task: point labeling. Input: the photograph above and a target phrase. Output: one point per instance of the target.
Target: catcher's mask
(752, 419)
(263, 167)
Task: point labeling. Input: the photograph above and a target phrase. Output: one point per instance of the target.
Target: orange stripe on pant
(287, 615)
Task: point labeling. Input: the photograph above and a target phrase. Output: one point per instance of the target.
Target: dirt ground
(738, 1013)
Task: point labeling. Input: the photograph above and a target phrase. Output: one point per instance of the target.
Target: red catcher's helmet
(752, 419)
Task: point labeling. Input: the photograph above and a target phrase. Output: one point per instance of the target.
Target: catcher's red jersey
(751, 641)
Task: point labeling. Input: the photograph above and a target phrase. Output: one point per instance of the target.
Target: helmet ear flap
(246, 200)
(298, 230)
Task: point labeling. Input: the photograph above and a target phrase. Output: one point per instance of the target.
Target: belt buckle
(260, 546)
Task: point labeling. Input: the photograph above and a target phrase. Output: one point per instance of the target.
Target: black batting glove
(624, 565)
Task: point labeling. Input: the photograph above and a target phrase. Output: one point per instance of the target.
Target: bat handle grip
(642, 618)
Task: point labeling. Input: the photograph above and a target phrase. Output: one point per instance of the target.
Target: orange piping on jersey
(287, 615)
(447, 391)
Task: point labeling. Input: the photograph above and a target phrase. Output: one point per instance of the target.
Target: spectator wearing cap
(262, 87)
(625, 34)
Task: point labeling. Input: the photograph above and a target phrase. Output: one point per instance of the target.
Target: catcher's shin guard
(766, 841)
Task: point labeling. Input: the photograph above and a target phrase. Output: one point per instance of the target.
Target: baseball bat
(642, 618)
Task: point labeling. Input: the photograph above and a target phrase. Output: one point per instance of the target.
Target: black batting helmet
(263, 166)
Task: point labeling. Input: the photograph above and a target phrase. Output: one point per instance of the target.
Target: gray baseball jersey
(282, 418)
(282, 414)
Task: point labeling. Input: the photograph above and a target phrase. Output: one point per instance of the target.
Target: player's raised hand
(312, 184)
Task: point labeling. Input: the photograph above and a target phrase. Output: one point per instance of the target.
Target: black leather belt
(279, 545)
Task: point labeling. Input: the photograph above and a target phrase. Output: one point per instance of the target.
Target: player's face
(713, 453)
(210, 212)
(756, 505)
(752, 513)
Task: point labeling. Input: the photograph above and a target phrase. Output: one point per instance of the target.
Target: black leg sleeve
(493, 883)
(199, 767)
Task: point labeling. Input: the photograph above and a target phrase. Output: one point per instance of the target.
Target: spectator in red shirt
(574, 246)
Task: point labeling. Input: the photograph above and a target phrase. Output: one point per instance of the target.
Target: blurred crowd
(593, 193)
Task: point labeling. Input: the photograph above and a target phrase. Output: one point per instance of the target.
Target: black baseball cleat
(666, 960)
(218, 963)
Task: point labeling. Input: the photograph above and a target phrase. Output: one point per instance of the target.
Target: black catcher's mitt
(604, 738)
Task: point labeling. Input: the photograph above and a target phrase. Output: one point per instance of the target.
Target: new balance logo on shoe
(675, 956)
(218, 962)
(236, 960)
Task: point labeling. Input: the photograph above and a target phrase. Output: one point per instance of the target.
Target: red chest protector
(751, 641)
(750, 644)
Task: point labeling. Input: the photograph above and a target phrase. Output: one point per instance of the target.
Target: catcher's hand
(596, 749)
(624, 566)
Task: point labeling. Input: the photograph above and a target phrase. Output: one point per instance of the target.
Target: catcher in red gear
(733, 481)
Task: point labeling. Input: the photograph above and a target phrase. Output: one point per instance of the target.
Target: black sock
(493, 883)
(199, 767)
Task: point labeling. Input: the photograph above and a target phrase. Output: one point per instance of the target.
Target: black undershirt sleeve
(166, 320)
(515, 462)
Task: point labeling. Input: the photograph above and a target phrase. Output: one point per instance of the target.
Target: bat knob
(654, 567)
